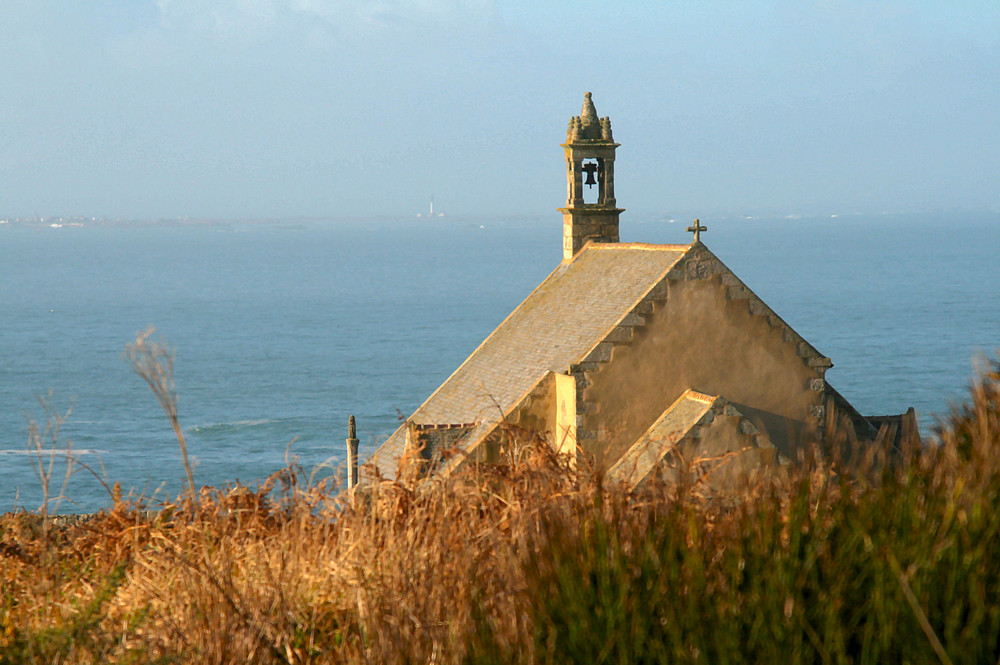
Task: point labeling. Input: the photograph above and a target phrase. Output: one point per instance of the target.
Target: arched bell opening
(591, 183)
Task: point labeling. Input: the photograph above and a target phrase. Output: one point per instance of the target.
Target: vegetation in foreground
(887, 563)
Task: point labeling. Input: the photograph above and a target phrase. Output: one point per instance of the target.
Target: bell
(591, 180)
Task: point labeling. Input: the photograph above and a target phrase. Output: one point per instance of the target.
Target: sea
(282, 329)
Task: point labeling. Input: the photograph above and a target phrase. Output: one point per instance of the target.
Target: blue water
(283, 329)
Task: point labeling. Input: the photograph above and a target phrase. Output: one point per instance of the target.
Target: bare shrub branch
(154, 362)
(43, 449)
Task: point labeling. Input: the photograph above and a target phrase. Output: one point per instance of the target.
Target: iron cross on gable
(696, 229)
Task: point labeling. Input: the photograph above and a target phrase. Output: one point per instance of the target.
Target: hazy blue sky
(237, 108)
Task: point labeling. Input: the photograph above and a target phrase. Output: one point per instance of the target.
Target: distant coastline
(638, 217)
(111, 222)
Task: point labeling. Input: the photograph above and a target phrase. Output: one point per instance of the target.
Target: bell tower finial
(590, 151)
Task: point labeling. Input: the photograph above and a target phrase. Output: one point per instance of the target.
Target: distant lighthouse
(431, 211)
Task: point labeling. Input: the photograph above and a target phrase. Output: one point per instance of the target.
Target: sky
(345, 108)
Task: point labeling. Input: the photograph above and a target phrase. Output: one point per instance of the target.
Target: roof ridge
(701, 397)
(430, 426)
(634, 245)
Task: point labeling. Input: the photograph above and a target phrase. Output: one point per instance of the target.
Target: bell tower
(590, 153)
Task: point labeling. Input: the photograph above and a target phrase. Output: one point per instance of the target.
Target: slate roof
(562, 320)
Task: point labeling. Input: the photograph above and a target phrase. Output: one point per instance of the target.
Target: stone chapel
(643, 357)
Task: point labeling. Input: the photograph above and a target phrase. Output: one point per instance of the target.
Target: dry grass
(532, 563)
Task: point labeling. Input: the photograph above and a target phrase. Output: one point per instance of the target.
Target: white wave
(234, 425)
(56, 451)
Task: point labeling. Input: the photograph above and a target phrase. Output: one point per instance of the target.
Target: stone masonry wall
(699, 328)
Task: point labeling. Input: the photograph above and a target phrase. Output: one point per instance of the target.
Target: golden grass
(532, 563)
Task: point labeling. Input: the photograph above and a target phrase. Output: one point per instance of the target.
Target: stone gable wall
(699, 328)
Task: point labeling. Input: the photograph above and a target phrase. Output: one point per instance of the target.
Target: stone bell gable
(590, 215)
(641, 357)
